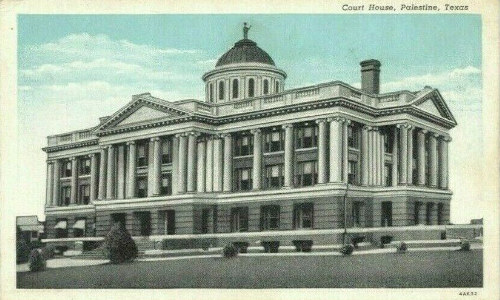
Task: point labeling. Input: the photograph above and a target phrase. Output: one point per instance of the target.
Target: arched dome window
(277, 86)
(211, 92)
(251, 87)
(221, 90)
(266, 86)
(235, 88)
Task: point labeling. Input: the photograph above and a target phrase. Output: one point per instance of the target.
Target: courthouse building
(254, 156)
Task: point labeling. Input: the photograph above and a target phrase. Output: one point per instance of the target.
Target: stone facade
(256, 157)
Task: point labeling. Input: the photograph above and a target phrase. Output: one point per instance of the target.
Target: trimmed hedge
(347, 249)
(37, 261)
(230, 251)
(22, 251)
(119, 245)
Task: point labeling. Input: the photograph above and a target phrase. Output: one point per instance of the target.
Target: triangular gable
(432, 102)
(143, 108)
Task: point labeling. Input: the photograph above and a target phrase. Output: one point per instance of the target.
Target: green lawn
(409, 270)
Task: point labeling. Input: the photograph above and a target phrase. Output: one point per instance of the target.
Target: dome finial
(245, 30)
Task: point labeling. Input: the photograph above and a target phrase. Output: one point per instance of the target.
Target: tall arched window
(251, 87)
(266, 86)
(277, 86)
(235, 88)
(221, 90)
(211, 92)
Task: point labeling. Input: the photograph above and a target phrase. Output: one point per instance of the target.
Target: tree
(119, 244)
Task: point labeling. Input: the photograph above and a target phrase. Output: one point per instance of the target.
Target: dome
(245, 51)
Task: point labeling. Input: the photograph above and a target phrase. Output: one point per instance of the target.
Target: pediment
(142, 110)
(144, 114)
(433, 103)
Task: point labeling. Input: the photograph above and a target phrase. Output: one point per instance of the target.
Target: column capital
(226, 134)
(73, 158)
(255, 131)
(423, 131)
(446, 138)
(367, 127)
(322, 120)
(285, 126)
(336, 119)
(435, 135)
(92, 155)
(155, 139)
(193, 133)
(130, 143)
(110, 147)
(404, 125)
(178, 135)
(374, 128)
(51, 161)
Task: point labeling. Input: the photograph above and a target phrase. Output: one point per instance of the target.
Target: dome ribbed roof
(243, 51)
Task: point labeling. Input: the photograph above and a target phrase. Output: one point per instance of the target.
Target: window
(388, 141)
(142, 187)
(84, 166)
(239, 219)
(61, 228)
(277, 87)
(166, 151)
(303, 215)
(205, 218)
(357, 214)
(274, 176)
(243, 179)
(211, 93)
(221, 90)
(84, 195)
(166, 184)
(167, 221)
(79, 227)
(416, 213)
(274, 141)
(440, 214)
(307, 137)
(65, 195)
(235, 89)
(352, 176)
(388, 174)
(428, 213)
(66, 168)
(266, 87)
(142, 154)
(386, 214)
(307, 173)
(243, 145)
(270, 217)
(352, 137)
(251, 87)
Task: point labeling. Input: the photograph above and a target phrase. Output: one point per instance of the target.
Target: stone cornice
(71, 146)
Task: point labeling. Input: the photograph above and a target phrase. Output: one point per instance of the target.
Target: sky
(73, 69)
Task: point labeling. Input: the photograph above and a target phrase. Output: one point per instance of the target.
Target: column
(433, 160)
(102, 173)
(156, 174)
(370, 155)
(443, 158)
(409, 179)
(131, 169)
(288, 156)
(257, 158)
(345, 151)
(322, 166)
(175, 164)
(201, 161)
(210, 163)
(182, 163)
(364, 155)
(395, 156)
(336, 148)
(110, 184)
(228, 162)
(93, 176)
(376, 157)
(50, 184)
(421, 156)
(57, 183)
(191, 162)
(74, 180)
(121, 173)
(382, 160)
(404, 153)
(218, 156)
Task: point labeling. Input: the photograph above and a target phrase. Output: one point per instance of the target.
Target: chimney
(370, 76)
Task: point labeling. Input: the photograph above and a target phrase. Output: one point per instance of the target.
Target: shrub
(271, 246)
(385, 239)
(464, 245)
(356, 240)
(119, 245)
(36, 261)
(22, 251)
(401, 247)
(347, 249)
(230, 251)
(303, 245)
(242, 247)
(36, 245)
(48, 252)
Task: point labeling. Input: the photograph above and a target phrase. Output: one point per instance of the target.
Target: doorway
(386, 214)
